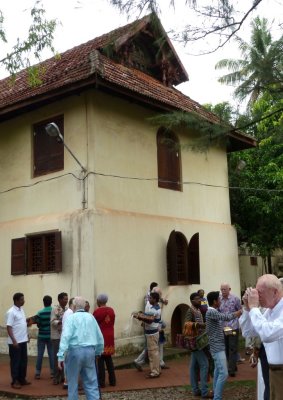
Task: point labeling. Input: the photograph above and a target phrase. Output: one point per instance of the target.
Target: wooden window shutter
(182, 259)
(168, 160)
(48, 153)
(18, 257)
(172, 274)
(193, 259)
(58, 252)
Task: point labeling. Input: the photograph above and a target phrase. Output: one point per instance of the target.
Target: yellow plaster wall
(118, 244)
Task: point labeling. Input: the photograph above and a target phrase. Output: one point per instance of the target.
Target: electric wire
(255, 189)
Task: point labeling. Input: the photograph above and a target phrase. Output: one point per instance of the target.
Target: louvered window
(48, 153)
(253, 260)
(183, 259)
(37, 254)
(168, 160)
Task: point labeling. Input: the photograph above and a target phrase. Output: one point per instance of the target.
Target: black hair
(193, 296)
(152, 285)
(212, 296)
(61, 296)
(71, 301)
(47, 301)
(155, 296)
(17, 296)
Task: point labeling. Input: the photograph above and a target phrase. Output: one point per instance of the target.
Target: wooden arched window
(193, 259)
(169, 160)
(183, 259)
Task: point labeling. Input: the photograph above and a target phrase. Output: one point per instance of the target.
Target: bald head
(225, 289)
(78, 303)
(270, 290)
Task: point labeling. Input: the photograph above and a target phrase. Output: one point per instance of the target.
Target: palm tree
(261, 66)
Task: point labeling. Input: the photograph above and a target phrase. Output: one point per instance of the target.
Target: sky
(82, 20)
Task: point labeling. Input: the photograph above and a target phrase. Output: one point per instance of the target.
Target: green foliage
(205, 133)
(260, 68)
(256, 193)
(40, 37)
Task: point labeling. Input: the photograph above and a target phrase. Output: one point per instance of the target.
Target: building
(134, 205)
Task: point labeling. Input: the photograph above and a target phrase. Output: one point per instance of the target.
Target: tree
(261, 66)
(40, 36)
(219, 18)
(256, 193)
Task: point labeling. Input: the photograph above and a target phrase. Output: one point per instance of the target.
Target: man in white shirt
(17, 341)
(269, 326)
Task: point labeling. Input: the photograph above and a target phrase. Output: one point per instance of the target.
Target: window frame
(183, 266)
(253, 261)
(48, 152)
(22, 254)
(168, 160)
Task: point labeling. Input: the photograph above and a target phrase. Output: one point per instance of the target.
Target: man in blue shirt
(80, 343)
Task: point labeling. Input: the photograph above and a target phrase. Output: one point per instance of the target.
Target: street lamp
(53, 130)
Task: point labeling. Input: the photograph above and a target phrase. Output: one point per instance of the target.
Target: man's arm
(143, 317)
(246, 325)
(11, 334)
(225, 316)
(65, 338)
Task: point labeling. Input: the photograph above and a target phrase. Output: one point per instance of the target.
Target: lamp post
(53, 130)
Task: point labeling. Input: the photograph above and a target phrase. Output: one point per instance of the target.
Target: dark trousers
(58, 374)
(231, 349)
(102, 360)
(18, 362)
(265, 372)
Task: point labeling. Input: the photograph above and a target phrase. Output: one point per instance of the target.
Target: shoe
(138, 366)
(65, 386)
(112, 384)
(16, 385)
(165, 367)
(197, 394)
(241, 360)
(36, 376)
(102, 385)
(209, 395)
(152, 376)
(232, 374)
(24, 383)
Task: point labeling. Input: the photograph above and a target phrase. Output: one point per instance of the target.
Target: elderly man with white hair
(82, 340)
(268, 326)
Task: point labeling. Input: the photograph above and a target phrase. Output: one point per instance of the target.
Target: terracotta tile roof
(82, 66)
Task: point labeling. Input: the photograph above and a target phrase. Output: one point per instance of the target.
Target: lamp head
(52, 130)
(241, 165)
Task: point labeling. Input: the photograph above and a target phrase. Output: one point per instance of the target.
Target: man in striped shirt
(42, 319)
(151, 321)
(215, 333)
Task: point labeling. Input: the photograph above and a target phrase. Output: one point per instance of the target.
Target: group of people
(260, 319)
(78, 343)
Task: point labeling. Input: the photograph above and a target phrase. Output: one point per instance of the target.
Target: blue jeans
(199, 364)
(41, 343)
(80, 361)
(220, 373)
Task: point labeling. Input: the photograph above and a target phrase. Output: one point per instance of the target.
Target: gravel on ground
(233, 391)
